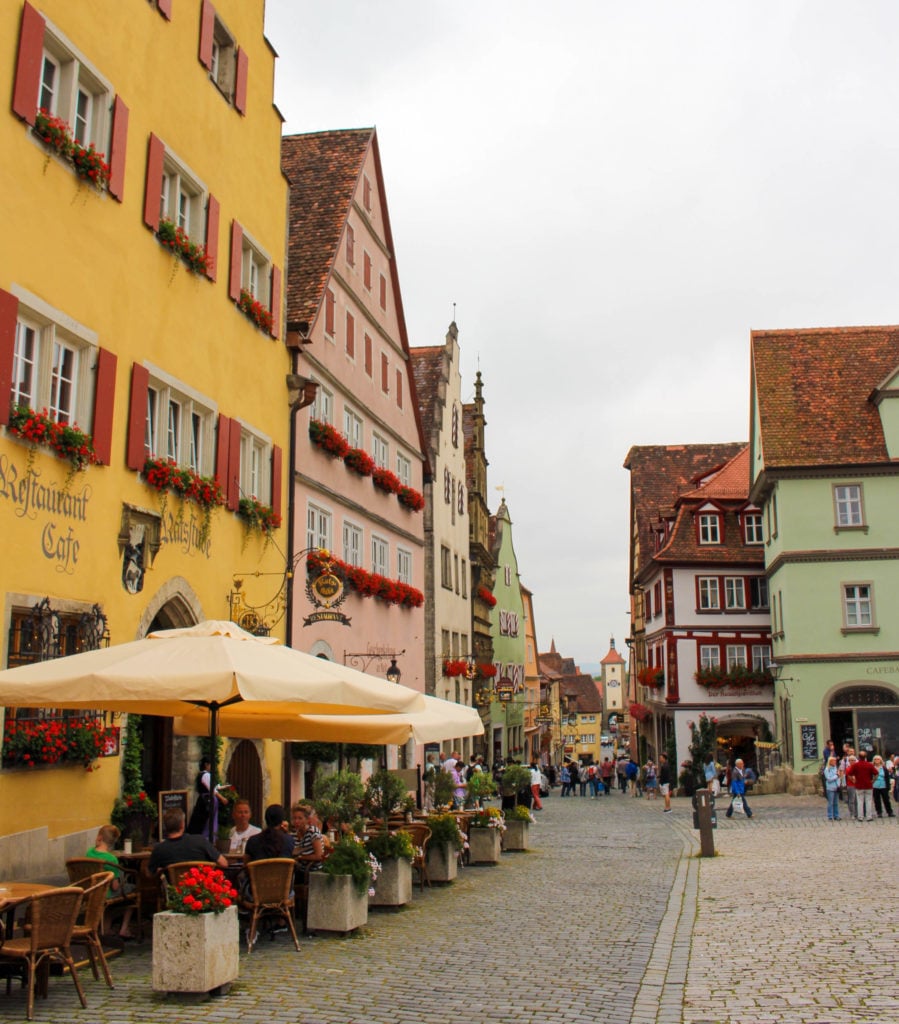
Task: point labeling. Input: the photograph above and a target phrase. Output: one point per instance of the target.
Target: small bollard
(704, 820)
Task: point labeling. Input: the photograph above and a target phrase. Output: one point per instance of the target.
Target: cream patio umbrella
(440, 720)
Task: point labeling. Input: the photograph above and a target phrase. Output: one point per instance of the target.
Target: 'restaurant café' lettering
(30, 496)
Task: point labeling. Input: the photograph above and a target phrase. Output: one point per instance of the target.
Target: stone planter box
(443, 864)
(195, 952)
(334, 905)
(484, 845)
(516, 835)
(393, 886)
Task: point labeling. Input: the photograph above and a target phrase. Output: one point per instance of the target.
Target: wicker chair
(87, 931)
(53, 916)
(79, 868)
(420, 834)
(270, 896)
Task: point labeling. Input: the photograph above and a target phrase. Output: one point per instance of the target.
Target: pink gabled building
(358, 461)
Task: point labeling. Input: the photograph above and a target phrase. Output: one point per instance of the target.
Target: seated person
(274, 840)
(103, 847)
(180, 846)
(242, 830)
(310, 850)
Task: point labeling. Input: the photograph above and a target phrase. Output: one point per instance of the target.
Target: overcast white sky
(613, 194)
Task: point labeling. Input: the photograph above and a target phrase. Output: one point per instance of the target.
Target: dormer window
(709, 524)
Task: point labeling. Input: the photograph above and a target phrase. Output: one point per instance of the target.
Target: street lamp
(393, 674)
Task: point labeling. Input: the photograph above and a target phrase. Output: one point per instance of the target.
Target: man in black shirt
(665, 780)
(179, 846)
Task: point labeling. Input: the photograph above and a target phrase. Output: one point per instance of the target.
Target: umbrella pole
(213, 769)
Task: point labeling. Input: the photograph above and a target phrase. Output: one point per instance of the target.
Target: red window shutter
(277, 464)
(236, 260)
(385, 383)
(165, 8)
(212, 238)
(104, 404)
(329, 312)
(276, 302)
(399, 388)
(28, 64)
(240, 81)
(350, 336)
(223, 440)
(368, 355)
(153, 184)
(233, 488)
(9, 311)
(207, 30)
(136, 454)
(117, 149)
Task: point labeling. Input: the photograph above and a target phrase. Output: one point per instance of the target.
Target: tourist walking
(566, 780)
(631, 771)
(881, 789)
(606, 771)
(665, 781)
(832, 788)
(621, 772)
(863, 773)
(710, 772)
(738, 789)
(536, 781)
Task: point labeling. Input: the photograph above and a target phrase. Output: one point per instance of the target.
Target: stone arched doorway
(736, 737)
(865, 717)
(244, 773)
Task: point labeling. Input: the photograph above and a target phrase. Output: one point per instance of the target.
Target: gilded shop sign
(58, 506)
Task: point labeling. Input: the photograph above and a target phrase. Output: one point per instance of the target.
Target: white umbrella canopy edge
(211, 664)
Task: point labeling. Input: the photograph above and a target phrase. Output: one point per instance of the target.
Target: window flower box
(359, 461)
(28, 742)
(410, 498)
(165, 475)
(329, 439)
(651, 676)
(56, 135)
(177, 241)
(369, 584)
(253, 310)
(454, 667)
(639, 712)
(486, 596)
(740, 676)
(258, 518)
(386, 481)
(66, 440)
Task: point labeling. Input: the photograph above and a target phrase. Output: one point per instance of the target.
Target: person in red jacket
(862, 774)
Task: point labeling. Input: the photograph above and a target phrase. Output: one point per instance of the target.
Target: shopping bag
(737, 805)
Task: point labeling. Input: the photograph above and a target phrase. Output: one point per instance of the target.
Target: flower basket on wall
(368, 584)
(410, 498)
(56, 135)
(257, 517)
(486, 596)
(178, 242)
(359, 461)
(66, 440)
(651, 676)
(254, 311)
(386, 481)
(328, 439)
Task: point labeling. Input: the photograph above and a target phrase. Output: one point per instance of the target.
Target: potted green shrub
(338, 894)
(440, 788)
(394, 852)
(443, 847)
(385, 792)
(480, 787)
(514, 779)
(338, 800)
(518, 823)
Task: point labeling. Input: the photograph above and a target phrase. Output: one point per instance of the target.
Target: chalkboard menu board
(809, 739)
(169, 798)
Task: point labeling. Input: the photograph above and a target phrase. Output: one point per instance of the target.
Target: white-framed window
(180, 425)
(858, 605)
(464, 578)
(404, 469)
(52, 369)
(404, 565)
(761, 657)
(352, 428)
(352, 543)
(224, 59)
(318, 527)
(446, 567)
(380, 554)
(736, 656)
(322, 409)
(758, 592)
(847, 501)
(709, 528)
(507, 575)
(255, 465)
(709, 656)
(734, 593)
(445, 642)
(183, 198)
(708, 593)
(752, 528)
(255, 271)
(380, 451)
(73, 90)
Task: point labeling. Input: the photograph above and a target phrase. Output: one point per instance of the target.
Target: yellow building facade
(141, 299)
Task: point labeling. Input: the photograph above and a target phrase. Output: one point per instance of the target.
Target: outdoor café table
(15, 894)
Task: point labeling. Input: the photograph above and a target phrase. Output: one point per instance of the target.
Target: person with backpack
(631, 771)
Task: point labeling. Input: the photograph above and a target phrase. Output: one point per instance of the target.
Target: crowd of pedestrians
(862, 781)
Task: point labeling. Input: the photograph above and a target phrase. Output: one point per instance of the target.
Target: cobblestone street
(609, 918)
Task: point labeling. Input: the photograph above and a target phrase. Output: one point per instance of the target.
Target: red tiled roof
(583, 689)
(730, 483)
(323, 169)
(427, 366)
(812, 389)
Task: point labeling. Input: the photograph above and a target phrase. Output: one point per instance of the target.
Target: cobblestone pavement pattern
(610, 918)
